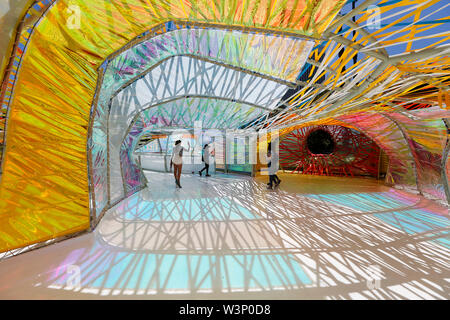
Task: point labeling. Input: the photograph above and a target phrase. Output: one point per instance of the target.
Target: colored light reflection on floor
(146, 273)
(410, 221)
(228, 237)
(191, 209)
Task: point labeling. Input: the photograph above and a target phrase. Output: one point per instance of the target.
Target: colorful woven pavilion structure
(83, 81)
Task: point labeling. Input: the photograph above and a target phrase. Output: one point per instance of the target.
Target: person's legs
(205, 168)
(277, 180)
(271, 181)
(177, 173)
(174, 171)
(180, 167)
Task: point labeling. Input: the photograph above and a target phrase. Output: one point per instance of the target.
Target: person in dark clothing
(205, 159)
(272, 165)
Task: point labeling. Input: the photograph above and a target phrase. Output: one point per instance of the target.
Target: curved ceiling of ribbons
(86, 79)
(194, 78)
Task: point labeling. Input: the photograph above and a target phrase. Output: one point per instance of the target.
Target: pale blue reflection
(105, 269)
(411, 221)
(199, 209)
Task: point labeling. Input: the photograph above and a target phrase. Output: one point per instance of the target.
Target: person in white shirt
(273, 159)
(177, 161)
(206, 159)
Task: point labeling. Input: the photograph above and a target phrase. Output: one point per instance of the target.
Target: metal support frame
(445, 157)
(410, 147)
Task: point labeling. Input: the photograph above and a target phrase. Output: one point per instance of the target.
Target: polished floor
(228, 237)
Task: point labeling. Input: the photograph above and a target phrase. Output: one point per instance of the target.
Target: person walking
(205, 158)
(177, 161)
(272, 165)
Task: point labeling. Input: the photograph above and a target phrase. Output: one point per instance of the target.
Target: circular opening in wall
(320, 142)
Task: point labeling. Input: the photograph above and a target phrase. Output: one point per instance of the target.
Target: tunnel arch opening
(320, 141)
